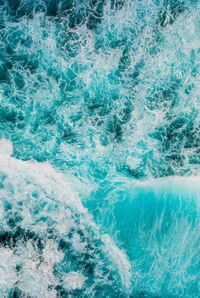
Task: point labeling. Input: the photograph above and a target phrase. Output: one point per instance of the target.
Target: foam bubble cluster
(116, 81)
(49, 245)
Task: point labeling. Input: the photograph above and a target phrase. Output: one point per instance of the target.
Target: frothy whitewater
(99, 148)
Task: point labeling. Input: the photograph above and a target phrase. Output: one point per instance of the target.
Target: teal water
(99, 148)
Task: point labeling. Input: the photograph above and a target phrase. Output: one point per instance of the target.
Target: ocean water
(100, 148)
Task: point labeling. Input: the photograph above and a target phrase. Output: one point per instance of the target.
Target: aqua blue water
(99, 148)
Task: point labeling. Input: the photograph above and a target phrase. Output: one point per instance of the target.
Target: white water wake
(42, 202)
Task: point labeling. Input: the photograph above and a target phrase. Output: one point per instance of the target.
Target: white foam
(73, 281)
(6, 147)
(120, 259)
(41, 174)
(29, 176)
(8, 262)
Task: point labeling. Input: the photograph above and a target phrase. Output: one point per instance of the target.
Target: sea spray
(54, 246)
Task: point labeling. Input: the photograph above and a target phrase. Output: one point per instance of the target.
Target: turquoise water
(99, 148)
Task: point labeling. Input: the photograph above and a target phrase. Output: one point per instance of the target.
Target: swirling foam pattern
(99, 148)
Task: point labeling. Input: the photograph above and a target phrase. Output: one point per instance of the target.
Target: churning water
(100, 148)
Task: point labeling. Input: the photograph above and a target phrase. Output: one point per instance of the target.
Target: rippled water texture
(99, 148)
